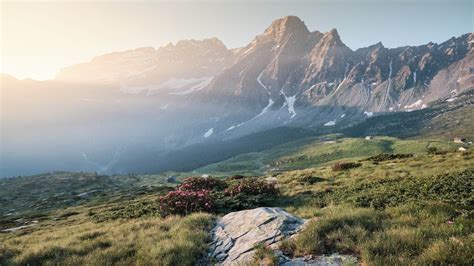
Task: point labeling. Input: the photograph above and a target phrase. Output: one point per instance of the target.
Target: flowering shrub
(201, 183)
(183, 202)
(209, 195)
(251, 187)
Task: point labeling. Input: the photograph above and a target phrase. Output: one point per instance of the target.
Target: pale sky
(38, 38)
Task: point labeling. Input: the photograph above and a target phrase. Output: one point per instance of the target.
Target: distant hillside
(448, 118)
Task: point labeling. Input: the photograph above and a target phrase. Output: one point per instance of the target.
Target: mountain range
(147, 103)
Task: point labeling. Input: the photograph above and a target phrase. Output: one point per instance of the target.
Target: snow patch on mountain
(369, 114)
(330, 123)
(290, 101)
(264, 110)
(414, 105)
(283, 105)
(451, 99)
(232, 127)
(209, 133)
(259, 80)
(339, 86)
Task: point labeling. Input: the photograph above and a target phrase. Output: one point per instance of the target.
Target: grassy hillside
(314, 151)
(386, 210)
(51, 191)
(410, 211)
(76, 240)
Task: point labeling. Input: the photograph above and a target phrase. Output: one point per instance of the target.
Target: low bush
(197, 194)
(142, 208)
(435, 151)
(454, 188)
(201, 183)
(310, 179)
(183, 202)
(248, 193)
(345, 166)
(251, 187)
(237, 177)
(387, 157)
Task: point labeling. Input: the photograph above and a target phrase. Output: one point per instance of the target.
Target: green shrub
(142, 208)
(310, 179)
(378, 193)
(387, 156)
(252, 187)
(345, 166)
(236, 177)
(201, 183)
(435, 151)
(247, 193)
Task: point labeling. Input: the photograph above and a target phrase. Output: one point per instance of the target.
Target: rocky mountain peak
(289, 25)
(333, 36)
(331, 39)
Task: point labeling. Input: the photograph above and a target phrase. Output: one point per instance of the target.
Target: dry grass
(78, 241)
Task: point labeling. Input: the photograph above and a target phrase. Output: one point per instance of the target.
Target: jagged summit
(286, 25)
(332, 38)
(334, 35)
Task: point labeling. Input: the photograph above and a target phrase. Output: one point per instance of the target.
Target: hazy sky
(39, 38)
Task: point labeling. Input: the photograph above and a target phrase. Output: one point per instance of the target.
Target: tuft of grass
(264, 256)
(340, 229)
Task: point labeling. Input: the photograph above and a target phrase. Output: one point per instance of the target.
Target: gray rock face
(235, 234)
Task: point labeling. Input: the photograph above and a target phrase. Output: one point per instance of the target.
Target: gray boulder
(235, 234)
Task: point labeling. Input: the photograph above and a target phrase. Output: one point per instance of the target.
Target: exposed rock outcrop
(235, 234)
(325, 260)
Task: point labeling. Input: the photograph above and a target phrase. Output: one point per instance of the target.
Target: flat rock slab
(235, 234)
(325, 260)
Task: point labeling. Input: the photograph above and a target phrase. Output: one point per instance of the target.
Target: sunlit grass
(170, 241)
